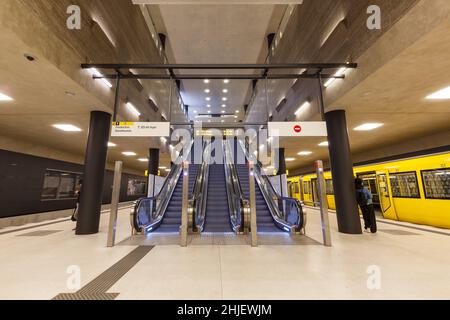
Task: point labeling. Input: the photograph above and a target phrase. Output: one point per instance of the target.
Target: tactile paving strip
(41, 233)
(97, 288)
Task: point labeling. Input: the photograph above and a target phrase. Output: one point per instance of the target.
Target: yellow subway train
(415, 190)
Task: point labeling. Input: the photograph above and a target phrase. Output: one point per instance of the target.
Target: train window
(329, 185)
(136, 187)
(404, 185)
(436, 183)
(306, 187)
(59, 185)
(296, 187)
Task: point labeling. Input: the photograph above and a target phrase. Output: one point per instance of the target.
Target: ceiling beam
(219, 76)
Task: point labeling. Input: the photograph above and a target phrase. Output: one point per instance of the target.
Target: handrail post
(253, 222)
(185, 204)
(323, 204)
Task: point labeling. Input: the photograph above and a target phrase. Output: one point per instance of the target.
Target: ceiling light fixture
(237, 111)
(208, 105)
(443, 94)
(226, 81)
(290, 159)
(225, 90)
(4, 97)
(129, 153)
(163, 140)
(112, 145)
(67, 127)
(304, 153)
(324, 144)
(133, 109)
(304, 106)
(339, 73)
(224, 99)
(208, 99)
(96, 73)
(224, 106)
(368, 126)
(143, 159)
(206, 81)
(207, 91)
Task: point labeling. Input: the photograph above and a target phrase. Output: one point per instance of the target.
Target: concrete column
(94, 173)
(342, 170)
(153, 167)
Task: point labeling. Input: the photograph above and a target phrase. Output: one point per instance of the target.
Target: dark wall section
(22, 180)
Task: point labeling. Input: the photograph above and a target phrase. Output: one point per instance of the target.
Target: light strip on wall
(96, 73)
(133, 109)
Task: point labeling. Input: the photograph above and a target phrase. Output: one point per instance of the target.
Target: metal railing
(200, 195)
(287, 212)
(148, 213)
(239, 207)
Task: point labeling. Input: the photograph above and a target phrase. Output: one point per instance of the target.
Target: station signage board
(298, 129)
(140, 129)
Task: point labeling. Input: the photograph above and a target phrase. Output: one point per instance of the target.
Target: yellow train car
(415, 190)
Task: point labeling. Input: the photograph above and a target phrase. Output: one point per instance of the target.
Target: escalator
(162, 213)
(217, 209)
(172, 217)
(264, 218)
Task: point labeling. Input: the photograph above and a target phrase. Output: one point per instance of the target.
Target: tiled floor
(412, 264)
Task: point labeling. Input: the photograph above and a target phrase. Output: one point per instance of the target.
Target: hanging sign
(298, 129)
(140, 129)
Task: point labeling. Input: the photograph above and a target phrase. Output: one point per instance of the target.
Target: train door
(315, 192)
(386, 205)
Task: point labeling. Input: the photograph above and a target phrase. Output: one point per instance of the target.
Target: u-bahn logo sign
(298, 129)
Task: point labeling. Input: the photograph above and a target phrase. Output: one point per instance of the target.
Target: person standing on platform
(365, 202)
(78, 194)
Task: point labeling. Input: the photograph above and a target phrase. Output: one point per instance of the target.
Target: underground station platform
(224, 159)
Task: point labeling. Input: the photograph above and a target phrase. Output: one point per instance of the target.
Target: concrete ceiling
(216, 34)
(395, 95)
(41, 99)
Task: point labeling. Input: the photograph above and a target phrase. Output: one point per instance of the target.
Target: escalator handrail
(272, 198)
(164, 196)
(200, 193)
(236, 199)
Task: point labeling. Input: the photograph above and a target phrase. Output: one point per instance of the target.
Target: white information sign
(298, 129)
(140, 129)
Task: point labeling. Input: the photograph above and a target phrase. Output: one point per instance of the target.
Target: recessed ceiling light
(206, 81)
(225, 90)
(129, 153)
(368, 126)
(290, 159)
(305, 105)
(195, 111)
(207, 91)
(67, 127)
(224, 99)
(304, 153)
(162, 168)
(443, 94)
(237, 111)
(208, 99)
(163, 139)
(4, 97)
(133, 109)
(112, 145)
(324, 144)
(209, 111)
(208, 105)
(223, 111)
(224, 106)
(223, 121)
(226, 81)
(235, 117)
(143, 160)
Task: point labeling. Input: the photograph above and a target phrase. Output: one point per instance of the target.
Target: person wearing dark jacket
(365, 202)
(78, 194)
